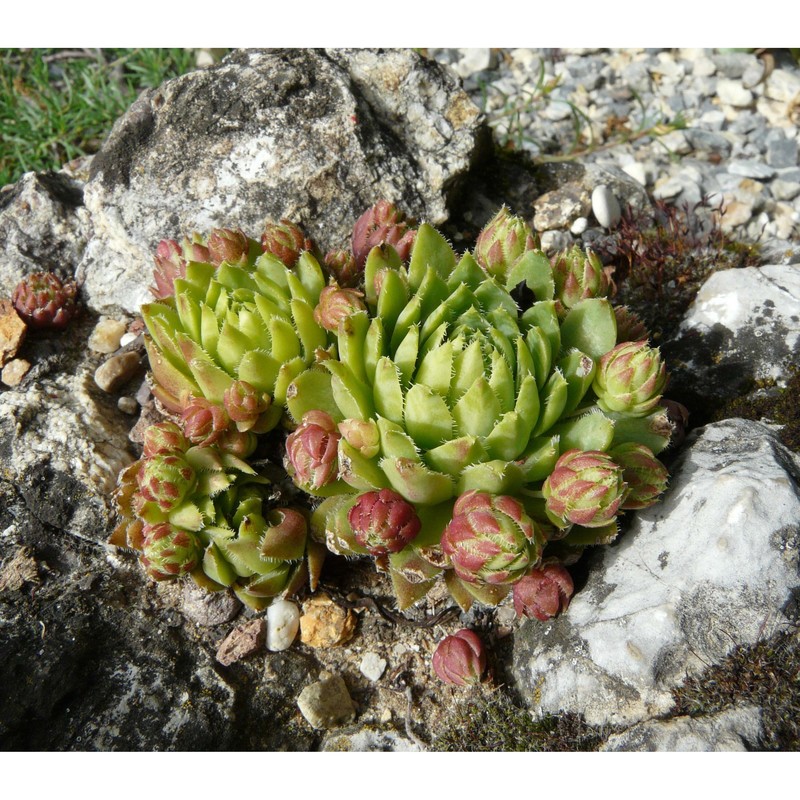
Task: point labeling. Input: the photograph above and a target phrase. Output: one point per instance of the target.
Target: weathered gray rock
(712, 566)
(734, 730)
(314, 136)
(368, 740)
(43, 226)
(744, 326)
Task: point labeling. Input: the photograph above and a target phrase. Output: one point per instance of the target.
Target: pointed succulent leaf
(591, 327)
(416, 482)
(554, 398)
(591, 431)
(454, 456)
(309, 391)
(427, 417)
(430, 248)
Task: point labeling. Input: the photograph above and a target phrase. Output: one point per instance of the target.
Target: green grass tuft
(57, 105)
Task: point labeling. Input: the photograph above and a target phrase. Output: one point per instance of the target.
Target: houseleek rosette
(443, 388)
(235, 335)
(201, 510)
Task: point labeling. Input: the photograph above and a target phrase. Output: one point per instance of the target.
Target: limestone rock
(368, 740)
(732, 730)
(44, 226)
(712, 566)
(310, 135)
(744, 326)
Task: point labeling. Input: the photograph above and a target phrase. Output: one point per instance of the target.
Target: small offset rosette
(383, 522)
(544, 592)
(460, 659)
(585, 488)
(491, 539)
(630, 379)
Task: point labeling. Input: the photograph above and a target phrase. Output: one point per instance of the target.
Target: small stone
(127, 405)
(637, 171)
(12, 331)
(784, 190)
(783, 85)
(242, 641)
(372, 666)
(106, 336)
(208, 608)
(18, 570)
(127, 338)
(750, 168)
(782, 153)
(558, 208)
(473, 59)
(676, 142)
(324, 624)
(667, 187)
(14, 371)
(708, 141)
(326, 704)
(605, 207)
(735, 214)
(579, 226)
(283, 623)
(732, 93)
(117, 371)
(555, 241)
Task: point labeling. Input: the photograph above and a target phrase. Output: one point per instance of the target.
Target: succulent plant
(234, 335)
(285, 241)
(460, 659)
(502, 242)
(383, 522)
(381, 224)
(43, 301)
(203, 511)
(491, 539)
(578, 275)
(495, 423)
(451, 434)
(543, 592)
(171, 258)
(630, 379)
(586, 487)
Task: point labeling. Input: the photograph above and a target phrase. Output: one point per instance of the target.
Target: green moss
(766, 675)
(492, 723)
(775, 405)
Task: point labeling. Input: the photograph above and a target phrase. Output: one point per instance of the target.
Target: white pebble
(605, 206)
(127, 338)
(372, 666)
(579, 226)
(127, 405)
(283, 623)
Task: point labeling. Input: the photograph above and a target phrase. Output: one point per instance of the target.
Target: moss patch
(780, 406)
(767, 675)
(492, 723)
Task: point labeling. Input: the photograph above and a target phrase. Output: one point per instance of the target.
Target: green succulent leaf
(591, 327)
